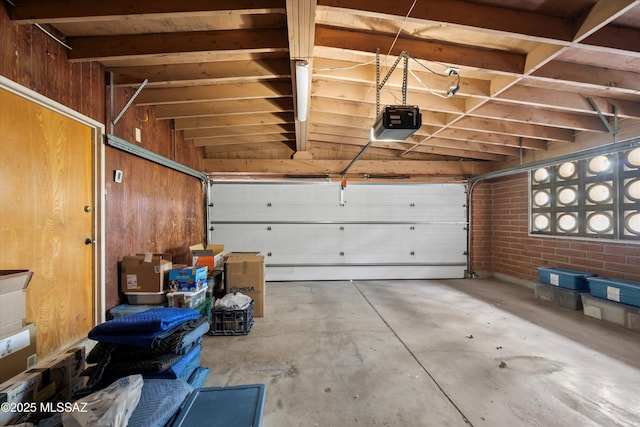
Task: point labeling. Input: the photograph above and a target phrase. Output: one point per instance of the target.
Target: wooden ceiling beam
(336, 119)
(491, 19)
(480, 150)
(388, 96)
(344, 107)
(568, 101)
(350, 131)
(349, 151)
(217, 92)
(483, 137)
(88, 11)
(97, 48)
(210, 108)
(539, 116)
(334, 70)
(541, 133)
(237, 131)
(202, 73)
(601, 14)
(381, 148)
(426, 49)
(334, 167)
(301, 17)
(590, 77)
(232, 120)
(338, 140)
(613, 39)
(215, 151)
(245, 139)
(365, 111)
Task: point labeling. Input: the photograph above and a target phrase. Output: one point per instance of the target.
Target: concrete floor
(430, 353)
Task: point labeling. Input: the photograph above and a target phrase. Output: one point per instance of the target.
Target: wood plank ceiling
(533, 74)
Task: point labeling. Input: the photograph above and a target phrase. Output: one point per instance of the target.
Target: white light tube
(302, 89)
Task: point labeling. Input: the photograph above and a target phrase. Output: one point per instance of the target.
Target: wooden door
(46, 213)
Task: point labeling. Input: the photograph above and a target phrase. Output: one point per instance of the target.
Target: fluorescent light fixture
(302, 89)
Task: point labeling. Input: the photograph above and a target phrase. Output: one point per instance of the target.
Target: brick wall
(501, 206)
(481, 221)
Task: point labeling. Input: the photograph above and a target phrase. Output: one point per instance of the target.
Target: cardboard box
(244, 272)
(212, 256)
(13, 300)
(188, 279)
(144, 273)
(58, 374)
(19, 389)
(165, 255)
(17, 352)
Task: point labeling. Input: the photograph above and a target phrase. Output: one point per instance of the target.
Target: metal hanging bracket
(613, 130)
(380, 84)
(114, 120)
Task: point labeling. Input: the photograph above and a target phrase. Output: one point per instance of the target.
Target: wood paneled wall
(154, 208)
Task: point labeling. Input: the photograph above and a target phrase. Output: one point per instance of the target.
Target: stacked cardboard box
(244, 272)
(54, 380)
(17, 339)
(145, 278)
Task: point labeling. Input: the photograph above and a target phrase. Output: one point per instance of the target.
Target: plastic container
(233, 406)
(231, 322)
(129, 309)
(618, 290)
(614, 312)
(188, 279)
(186, 299)
(153, 298)
(561, 296)
(564, 278)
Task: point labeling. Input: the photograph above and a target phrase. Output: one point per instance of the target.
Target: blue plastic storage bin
(618, 290)
(232, 406)
(564, 277)
(563, 297)
(129, 309)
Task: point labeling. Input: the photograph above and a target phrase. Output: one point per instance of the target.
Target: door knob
(89, 241)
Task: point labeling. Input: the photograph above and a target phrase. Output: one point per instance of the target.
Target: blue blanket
(183, 368)
(159, 401)
(199, 377)
(154, 320)
(145, 329)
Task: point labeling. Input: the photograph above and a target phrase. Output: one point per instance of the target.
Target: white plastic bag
(234, 301)
(110, 407)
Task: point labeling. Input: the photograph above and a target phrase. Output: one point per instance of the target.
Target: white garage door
(318, 231)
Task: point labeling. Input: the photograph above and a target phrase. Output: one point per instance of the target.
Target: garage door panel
(306, 233)
(276, 202)
(404, 243)
(417, 202)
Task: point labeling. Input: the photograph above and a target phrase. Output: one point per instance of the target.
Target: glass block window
(595, 198)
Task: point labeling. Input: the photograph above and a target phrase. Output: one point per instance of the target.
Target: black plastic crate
(231, 322)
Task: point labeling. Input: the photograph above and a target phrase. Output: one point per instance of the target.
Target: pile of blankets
(158, 343)
(162, 346)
